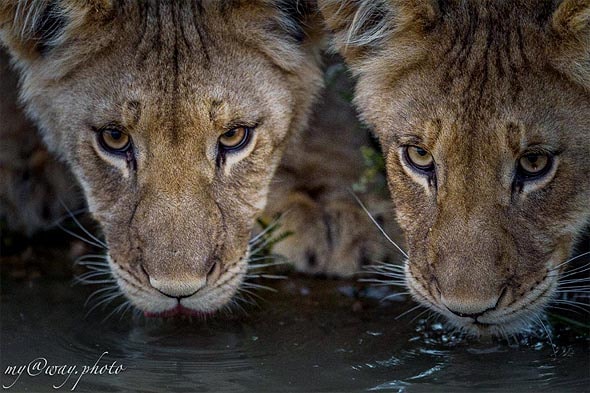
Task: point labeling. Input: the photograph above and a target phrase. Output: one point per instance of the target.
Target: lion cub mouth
(506, 317)
(216, 294)
(178, 311)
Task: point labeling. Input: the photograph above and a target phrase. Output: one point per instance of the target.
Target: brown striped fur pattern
(174, 75)
(478, 84)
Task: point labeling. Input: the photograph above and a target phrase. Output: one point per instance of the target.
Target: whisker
(88, 256)
(577, 270)
(409, 311)
(396, 294)
(378, 226)
(419, 314)
(394, 269)
(379, 281)
(574, 281)
(571, 260)
(576, 308)
(269, 228)
(266, 257)
(94, 238)
(97, 269)
(391, 284)
(549, 335)
(251, 293)
(104, 301)
(236, 303)
(565, 309)
(261, 247)
(105, 295)
(96, 282)
(268, 276)
(126, 309)
(79, 237)
(91, 280)
(88, 260)
(434, 317)
(94, 273)
(115, 310)
(574, 290)
(572, 304)
(383, 274)
(66, 216)
(93, 294)
(565, 301)
(258, 286)
(382, 269)
(264, 265)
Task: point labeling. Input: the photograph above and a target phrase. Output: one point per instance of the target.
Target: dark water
(310, 336)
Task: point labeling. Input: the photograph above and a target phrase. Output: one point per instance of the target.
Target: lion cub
(173, 117)
(483, 112)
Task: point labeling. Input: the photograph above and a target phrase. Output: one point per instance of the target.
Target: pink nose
(469, 307)
(178, 288)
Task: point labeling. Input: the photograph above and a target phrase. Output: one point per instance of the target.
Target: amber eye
(114, 140)
(235, 139)
(419, 158)
(534, 165)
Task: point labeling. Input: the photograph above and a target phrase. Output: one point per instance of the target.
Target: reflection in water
(312, 336)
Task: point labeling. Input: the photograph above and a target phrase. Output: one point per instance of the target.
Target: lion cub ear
(361, 26)
(32, 29)
(572, 18)
(571, 51)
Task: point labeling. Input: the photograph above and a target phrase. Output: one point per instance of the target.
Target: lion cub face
(483, 112)
(173, 116)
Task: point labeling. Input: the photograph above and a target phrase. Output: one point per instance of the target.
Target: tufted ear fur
(572, 17)
(32, 29)
(295, 28)
(363, 26)
(300, 18)
(571, 24)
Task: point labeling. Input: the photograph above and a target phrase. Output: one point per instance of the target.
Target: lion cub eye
(114, 140)
(419, 158)
(235, 139)
(534, 165)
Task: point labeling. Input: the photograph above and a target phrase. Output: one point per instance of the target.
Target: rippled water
(311, 335)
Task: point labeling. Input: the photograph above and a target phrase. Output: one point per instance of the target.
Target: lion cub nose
(469, 307)
(178, 288)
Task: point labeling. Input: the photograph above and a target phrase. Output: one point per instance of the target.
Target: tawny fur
(477, 83)
(175, 76)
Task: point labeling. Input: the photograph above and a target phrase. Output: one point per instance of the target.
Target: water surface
(311, 335)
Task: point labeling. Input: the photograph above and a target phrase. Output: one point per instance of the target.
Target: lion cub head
(173, 116)
(483, 112)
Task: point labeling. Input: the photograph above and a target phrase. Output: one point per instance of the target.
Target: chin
(519, 324)
(205, 303)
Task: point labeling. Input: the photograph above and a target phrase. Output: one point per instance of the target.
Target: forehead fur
(189, 52)
(67, 31)
(472, 59)
(406, 31)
